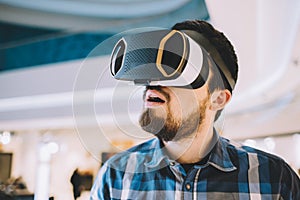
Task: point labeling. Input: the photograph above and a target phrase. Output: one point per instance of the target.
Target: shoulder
(250, 157)
(246, 152)
(270, 168)
(140, 152)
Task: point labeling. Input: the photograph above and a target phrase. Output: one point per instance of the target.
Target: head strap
(213, 52)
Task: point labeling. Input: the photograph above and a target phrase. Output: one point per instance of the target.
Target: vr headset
(166, 58)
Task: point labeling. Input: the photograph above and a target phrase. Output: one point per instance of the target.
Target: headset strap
(213, 52)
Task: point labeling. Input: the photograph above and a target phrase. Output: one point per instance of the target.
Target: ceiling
(266, 36)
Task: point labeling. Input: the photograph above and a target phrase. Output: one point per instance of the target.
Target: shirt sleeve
(290, 183)
(100, 189)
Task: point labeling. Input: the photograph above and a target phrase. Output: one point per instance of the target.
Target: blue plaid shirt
(231, 172)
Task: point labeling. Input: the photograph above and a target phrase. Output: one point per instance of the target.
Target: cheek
(183, 104)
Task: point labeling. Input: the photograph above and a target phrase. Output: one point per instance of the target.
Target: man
(187, 159)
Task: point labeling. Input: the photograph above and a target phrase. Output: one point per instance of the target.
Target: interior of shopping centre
(60, 109)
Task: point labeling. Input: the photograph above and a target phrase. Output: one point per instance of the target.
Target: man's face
(173, 113)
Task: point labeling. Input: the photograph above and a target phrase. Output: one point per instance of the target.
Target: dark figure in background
(4, 196)
(76, 182)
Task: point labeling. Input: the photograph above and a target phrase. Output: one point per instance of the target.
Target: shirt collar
(158, 157)
(219, 156)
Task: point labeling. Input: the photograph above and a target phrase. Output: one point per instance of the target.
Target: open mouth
(155, 99)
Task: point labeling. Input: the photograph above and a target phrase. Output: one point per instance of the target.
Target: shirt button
(188, 186)
(172, 163)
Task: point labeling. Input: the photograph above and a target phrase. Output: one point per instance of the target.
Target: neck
(192, 150)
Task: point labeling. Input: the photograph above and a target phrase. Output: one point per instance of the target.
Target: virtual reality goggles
(165, 58)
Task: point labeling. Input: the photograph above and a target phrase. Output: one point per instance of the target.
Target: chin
(152, 121)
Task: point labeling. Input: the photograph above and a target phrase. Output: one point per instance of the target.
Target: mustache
(159, 89)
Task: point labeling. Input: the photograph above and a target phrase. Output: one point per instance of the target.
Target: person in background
(188, 159)
(4, 196)
(76, 182)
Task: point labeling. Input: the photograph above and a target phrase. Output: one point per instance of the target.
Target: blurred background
(61, 111)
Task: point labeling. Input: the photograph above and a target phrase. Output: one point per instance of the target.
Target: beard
(168, 128)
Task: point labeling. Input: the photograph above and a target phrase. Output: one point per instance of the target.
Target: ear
(219, 99)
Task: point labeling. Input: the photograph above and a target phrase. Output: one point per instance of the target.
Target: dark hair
(223, 47)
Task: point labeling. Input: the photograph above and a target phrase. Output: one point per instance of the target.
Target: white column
(43, 170)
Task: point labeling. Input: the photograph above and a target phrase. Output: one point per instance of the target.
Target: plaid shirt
(231, 172)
